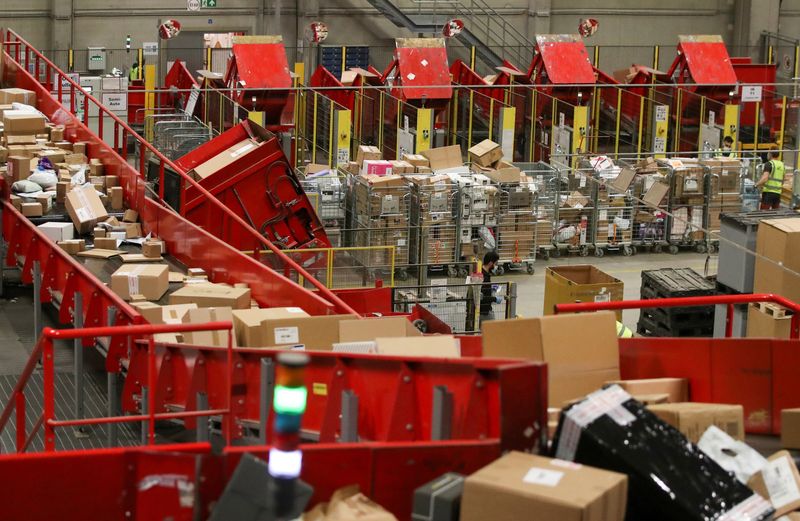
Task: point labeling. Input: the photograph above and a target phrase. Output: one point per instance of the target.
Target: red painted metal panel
(492, 398)
(260, 187)
(708, 59)
(262, 65)
(741, 373)
(763, 74)
(423, 73)
(667, 357)
(565, 59)
(785, 384)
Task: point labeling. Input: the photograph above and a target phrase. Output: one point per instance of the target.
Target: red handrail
(324, 291)
(44, 349)
(729, 300)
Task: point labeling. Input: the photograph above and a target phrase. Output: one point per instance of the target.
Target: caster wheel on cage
(673, 249)
(627, 251)
(402, 275)
(529, 269)
(657, 248)
(599, 252)
(499, 270)
(452, 272)
(634, 250)
(701, 248)
(421, 325)
(462, 272)
(546, 255)
(584, 251)
(556, 253)
(712, 248)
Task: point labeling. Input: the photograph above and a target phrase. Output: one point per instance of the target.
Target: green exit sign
(208, 3)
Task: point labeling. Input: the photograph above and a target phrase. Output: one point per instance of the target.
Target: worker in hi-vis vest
(623, 331)
(772, 181)
(726, 151)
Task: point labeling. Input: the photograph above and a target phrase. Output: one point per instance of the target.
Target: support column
(61, 30)
(538, 18)
(750, 18)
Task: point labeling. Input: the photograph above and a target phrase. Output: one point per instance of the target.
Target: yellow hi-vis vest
(623, 331)
(774, 183)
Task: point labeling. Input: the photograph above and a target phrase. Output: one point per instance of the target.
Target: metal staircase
(493, 37)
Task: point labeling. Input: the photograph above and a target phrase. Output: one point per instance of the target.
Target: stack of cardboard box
(433, 220)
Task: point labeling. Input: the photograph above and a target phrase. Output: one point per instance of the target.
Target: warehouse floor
(530, 289)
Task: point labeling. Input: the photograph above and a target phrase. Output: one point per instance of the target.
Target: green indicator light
(291, 400)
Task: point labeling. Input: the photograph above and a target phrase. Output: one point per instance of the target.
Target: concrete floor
(530, 292)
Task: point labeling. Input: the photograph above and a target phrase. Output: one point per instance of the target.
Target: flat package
(692, 418)
(669, 477)
(212, 296)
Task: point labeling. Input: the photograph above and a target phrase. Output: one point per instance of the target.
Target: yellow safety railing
(346, 267)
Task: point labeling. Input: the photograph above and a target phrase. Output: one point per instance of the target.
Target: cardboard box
(153, 249)
(581, 350)
(130, 216)
(14, 95)
(250, 328)
(212, 296)
(348, 504)
(437, 346)
(16, 202)
(32, 209)
(486, 153)
(444, 157)
(506, 173)
(132, 230)
(217, 337)
(576, 200)
(62, 187)
(85, 208)
(150, 280)
(224, 159)
(692, 419)
(57, 231)
(579, 283)
(96, 169)
(19, 167)
(20, 122)
(676, 390)
(623, 181)
(402, 167)
(57, 133)
(522, 486)
(105, 243)
(55, 156)
(778, 482)
(656, 194)
(790, 428)
(768, 321)
(73, 246)
(19, 139)
(372, 328)
(115, 192)
(367, 152)
(377, 167)
(779, 241)
(417, 160)
(315, 333)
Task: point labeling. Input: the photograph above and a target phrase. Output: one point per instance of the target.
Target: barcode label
(780, 482)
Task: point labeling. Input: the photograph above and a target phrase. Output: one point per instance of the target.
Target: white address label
(287, 335)
(544, 477)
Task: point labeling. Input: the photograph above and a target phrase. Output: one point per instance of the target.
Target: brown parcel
(444, 157)
(676, 389)
(224, 158)
(212, 296)
(656, 194)
(17, 122)
(32, 209)
(315, 333)
(150, 280)
(15, 95)
(437, 346)
(692, 419)
(623, 181)
(250, 328)
(579, 283)
(485, 153)
(779, 483)
(348, 504)
(217, 337)
(152, 249)
(778, 258)
(581, 351)
(371, 328)
(85, 208)
(790, 428)
(523, 486)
